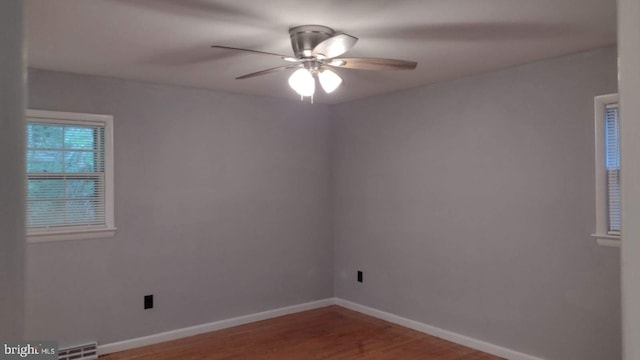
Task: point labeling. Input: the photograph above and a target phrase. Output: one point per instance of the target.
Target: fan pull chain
(310, 98)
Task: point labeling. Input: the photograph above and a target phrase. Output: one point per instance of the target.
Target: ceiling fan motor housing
(305, 38)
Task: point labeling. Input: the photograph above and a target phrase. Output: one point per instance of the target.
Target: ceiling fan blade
(284, 57)
(265, 72)
(335, 46)
(372, 64)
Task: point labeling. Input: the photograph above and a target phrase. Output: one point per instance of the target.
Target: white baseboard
(212, 326)
(241, 320)
(437, 332)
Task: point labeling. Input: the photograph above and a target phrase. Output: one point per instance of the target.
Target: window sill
(607, 240)
(76, 234)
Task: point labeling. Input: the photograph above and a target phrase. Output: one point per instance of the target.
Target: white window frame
(602, 235)
(35, 235)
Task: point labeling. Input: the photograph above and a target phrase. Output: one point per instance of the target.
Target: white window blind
(66, 174)
(612, 163)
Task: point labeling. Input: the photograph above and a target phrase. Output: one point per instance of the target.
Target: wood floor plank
(332, 332)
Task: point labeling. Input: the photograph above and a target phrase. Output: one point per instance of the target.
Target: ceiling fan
(316, 51)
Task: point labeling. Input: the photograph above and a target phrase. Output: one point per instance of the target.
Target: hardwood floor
(332, 332)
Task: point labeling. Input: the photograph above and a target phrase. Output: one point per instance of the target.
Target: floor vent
(82, 352)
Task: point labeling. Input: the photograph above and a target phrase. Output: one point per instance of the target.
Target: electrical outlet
(359, 276)
(148, 302)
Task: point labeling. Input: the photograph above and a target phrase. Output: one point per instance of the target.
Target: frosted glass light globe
(329, 80)
(302, 82)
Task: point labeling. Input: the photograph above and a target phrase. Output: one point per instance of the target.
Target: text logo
(41, 350)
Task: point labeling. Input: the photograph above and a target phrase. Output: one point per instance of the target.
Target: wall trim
(208, 327)
(264, 315)
(437, 332)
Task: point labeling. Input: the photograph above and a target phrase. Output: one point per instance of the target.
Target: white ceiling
(168, 41)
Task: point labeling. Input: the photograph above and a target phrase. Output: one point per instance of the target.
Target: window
(608, 195)
(69, 176)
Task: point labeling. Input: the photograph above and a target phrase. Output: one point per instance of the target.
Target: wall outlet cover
(148, 302)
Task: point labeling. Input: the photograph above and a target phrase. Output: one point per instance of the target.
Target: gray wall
(469, 206)
(222, 209)
(12, 91)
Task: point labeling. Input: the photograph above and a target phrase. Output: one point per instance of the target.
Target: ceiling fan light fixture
(329, 80)
(317, 49)
(303, 82)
